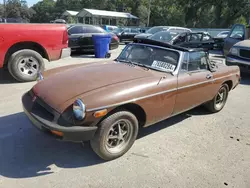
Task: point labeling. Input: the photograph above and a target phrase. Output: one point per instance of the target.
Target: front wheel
(115, 136)
(24, 65)
(219, 101)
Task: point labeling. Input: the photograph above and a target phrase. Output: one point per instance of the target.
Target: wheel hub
(118, 136)
(220, 98)
(28, 66)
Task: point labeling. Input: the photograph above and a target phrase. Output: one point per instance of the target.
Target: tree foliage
(188, 13)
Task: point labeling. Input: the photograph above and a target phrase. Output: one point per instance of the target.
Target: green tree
(14, 9)
(44, 11)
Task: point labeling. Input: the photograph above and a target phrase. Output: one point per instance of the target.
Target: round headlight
(79, 109)
(234, 51)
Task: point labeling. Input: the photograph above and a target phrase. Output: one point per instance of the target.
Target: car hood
(63, 86)
(244, 43)
(143, 35)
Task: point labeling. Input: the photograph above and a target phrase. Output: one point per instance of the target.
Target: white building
(102, 17)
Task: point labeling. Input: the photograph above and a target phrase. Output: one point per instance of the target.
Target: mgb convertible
(106, 103)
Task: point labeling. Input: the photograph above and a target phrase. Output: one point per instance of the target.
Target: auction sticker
(163, 65)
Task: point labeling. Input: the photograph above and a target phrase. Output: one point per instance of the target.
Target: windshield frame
(175, 72)
(160, 32)
(157, 27)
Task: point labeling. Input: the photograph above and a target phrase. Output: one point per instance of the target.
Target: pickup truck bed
(24, 46)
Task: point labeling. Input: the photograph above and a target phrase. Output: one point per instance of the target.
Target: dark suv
(237, 47)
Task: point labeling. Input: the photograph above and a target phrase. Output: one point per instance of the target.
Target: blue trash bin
(101, 45)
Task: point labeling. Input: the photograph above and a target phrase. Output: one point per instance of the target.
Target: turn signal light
(100, 113)
(58, 133)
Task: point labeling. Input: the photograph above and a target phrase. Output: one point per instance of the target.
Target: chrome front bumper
(66, 52)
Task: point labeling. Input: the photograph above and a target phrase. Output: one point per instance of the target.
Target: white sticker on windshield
(163, 65)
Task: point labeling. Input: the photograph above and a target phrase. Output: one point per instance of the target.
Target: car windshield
(152, 57)
(154, 30)
(164, 36)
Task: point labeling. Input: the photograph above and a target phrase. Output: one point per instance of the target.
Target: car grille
(41, 109)
(245, 53)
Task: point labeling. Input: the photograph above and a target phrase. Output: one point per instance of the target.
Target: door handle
(209, 76)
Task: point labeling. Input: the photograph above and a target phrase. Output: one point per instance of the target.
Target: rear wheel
(219, 101)
(24, 65)
(115, 135)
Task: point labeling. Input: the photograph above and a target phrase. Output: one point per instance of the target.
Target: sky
(31, 2)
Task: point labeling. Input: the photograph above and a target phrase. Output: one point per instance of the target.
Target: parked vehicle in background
(60, 21)
(13, 20)
(127, 34)
(223, 34)
(238, 33)
(108, 103)
(219, 40)
(109, 28)
(239, 54)
(164, 36)
(185, 39)
(23, 47)
(156, 29)
(80, 37)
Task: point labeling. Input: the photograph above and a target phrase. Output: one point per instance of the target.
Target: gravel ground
(194, 149)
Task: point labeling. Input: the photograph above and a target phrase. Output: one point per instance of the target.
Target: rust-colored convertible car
(107, 102)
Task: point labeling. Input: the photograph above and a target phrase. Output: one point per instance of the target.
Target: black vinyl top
(166, 45)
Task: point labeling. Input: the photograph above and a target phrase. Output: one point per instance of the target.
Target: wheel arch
(229, 83)
(25, 45)
(135, 109)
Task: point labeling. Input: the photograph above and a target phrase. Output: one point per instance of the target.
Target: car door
(133, 33)
(195, 40)
(180, 40)
(207, 42)
(125, 34)
(75, 32)
(86, 40)
(236, 34)
(195, 82)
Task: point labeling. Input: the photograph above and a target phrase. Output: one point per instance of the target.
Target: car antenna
(163, 77)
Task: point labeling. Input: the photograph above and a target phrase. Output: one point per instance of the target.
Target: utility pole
(4, 9)
(149, 11)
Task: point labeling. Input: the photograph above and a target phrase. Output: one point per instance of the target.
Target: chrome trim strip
(196, 84)
(223, 77)
(132, 100)
(155, 94)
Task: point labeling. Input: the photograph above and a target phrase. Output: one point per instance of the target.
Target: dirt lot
(194, 149)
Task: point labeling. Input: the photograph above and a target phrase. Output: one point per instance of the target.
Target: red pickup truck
(24, 46)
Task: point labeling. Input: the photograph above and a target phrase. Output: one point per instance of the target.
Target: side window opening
(76, 30)
(197, 61)
(238, 32)
(184, 66)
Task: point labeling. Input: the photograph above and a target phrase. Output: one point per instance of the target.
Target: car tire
(115, 136)
(24, 65)
(219, 101)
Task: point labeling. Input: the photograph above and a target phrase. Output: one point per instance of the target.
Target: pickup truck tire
(115, 135)
(24, 65)
(219, 101)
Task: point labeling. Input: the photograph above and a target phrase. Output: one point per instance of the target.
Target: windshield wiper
(142, 65)
(162, 70)
(133, 63)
